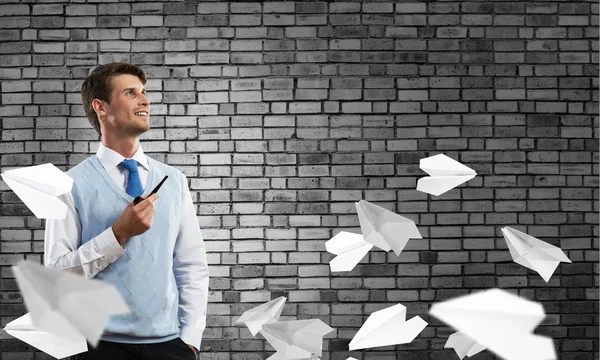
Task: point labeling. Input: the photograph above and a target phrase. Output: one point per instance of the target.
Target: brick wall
(284, 114)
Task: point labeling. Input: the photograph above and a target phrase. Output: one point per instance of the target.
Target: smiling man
(152, 252)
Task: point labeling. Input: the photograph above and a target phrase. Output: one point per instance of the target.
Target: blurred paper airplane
(52, 344)
(500, 321)
(65, 304)
(38, 187)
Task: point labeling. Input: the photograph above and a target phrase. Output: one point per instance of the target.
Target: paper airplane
(350, 248)
(266, 313)
(463, 345)
(445, 174)
(500, 321)
(294, 340)
(533, 253)
(52, 344)
(38, 187)
(385, 229)
(387, 327)
(65, 304)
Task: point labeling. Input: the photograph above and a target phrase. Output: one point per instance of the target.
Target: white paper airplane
(52, 344)
(297, 339)
(38, 187)
(445, 174)
(65, 304)
(266, 313)
(463, 345)
(351, 358)
(385, 229)
(350, 248)
(500, 321)
(387, 327)
(533, 253)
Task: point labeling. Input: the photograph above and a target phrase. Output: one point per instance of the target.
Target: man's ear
(99, 106)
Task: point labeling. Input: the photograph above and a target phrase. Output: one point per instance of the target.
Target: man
(152, 252)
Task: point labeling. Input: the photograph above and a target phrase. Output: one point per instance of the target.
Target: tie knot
(130, 165)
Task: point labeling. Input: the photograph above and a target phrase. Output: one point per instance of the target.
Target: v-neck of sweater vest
(111, 182)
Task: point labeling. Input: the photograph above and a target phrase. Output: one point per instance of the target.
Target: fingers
(148, 219)
(148, 199)
(152, 198)
(138, 218)
(142, 217)
(145, 209)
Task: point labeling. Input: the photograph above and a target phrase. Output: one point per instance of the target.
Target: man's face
(128, 113)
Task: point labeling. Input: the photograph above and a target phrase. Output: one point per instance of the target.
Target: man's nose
(144, 99)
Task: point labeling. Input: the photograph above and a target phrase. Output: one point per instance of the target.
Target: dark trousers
(174, 349)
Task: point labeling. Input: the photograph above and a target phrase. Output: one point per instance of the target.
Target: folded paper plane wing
(445, 174)
(66, 304)
(298, 336)
(533, 253)
(52, 344)
(284, 351)
(387, 327)
(350, 249)
(266, 313)
(463, 345)
(39, 187)
(385, 229)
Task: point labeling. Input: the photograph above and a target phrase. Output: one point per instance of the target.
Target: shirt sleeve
(63, 249)
(190, 267)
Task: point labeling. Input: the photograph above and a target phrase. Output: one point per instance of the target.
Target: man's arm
(191, 273)
(62, 242)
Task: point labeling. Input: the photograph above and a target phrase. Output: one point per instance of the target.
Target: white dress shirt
(63, 249)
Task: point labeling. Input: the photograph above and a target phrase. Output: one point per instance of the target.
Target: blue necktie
(134, 184)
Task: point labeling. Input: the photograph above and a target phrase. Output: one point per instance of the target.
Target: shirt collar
(111, 159)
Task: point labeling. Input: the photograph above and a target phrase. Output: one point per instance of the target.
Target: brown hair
(98, 85)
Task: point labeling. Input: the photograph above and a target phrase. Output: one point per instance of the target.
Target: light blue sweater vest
(143, 275)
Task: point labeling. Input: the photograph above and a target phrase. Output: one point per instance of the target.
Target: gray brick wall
(284, 114)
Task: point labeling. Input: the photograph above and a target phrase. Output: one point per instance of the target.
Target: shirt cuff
(191, 336)
(109, 246)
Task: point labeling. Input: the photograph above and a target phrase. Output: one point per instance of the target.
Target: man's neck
(127, 147)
